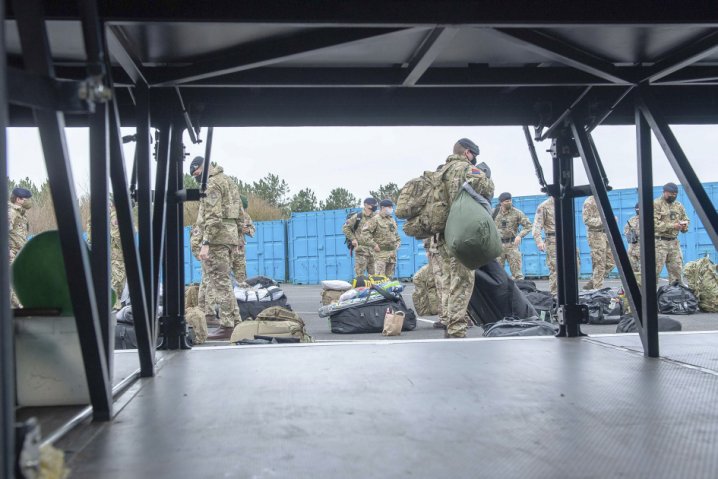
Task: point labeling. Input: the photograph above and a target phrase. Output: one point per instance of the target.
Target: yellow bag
(367, 281)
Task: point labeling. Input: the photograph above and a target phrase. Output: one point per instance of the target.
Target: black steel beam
(36, 52)
(594, 171)
(121, 50)
(561, 120)
(135, 280)
(7, 329)
(207, 159)
(42, 92)
(400, 12)
(143, 173)
(269, 52)
(705, 209)
(648, 321)
(560, 51)
(693, 52)
(159, 215)
(434, 43)
(99, 214)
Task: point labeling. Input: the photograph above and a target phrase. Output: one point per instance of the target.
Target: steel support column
(7, 335)
(565, 234)
(159, 216)
(649, 302)
(705, 209)
(596, 176)
(135, 280)
(36, 53)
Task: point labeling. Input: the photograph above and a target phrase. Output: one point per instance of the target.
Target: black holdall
(514, 327)
(628, 324)
(676, 298)
(369, 317)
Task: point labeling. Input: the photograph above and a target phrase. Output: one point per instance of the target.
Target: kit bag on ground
(604, 305)
(676, 298)
(330, 296)
(263, 281)
(518, 327)
(424, 203)
(702, 278)
(543, 302)
(425, 296)
(628, 324)
(272, 322)
(496, 296)
(393, 322)
(470, 234)
(198, 323)
(369, 317)
(125, 337)
(525, 285)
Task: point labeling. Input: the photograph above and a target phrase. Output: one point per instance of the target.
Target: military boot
(212, 320)
(222, 333)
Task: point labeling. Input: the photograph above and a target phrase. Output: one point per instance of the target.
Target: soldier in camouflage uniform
(364, 254)
(632, 232)
(669, 218)
(382, 234)
(220, 209)
(545, 219)
(508, 219)
(601, 255)
(459, 280)
(245, 226)
(118, 275)
(18, 227)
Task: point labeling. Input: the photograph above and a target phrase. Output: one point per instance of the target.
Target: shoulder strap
(358, 220)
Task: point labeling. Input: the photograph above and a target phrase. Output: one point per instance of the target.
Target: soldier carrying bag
(424, 203)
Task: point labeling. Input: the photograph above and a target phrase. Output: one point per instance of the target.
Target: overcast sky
(362, 158)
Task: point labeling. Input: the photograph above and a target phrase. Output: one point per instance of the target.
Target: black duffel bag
(676, 298)
(369, 317)
(496, 296)
(628, 324)
(542, 302)
(125, 337)
(517, 327)
(250, 309)
(603, 305)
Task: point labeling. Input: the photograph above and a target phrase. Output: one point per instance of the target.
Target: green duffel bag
(471, 235)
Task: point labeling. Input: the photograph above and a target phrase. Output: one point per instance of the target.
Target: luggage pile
(333, 289)
(702, 278)
(604, 305)
(257, 294)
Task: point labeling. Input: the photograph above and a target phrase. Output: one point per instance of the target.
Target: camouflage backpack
(702, 278)
(424, 203)
(297, 326)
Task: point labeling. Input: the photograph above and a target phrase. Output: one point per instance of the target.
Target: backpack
(516, 327)
(676, 298)
(273, 321)
(424, 203)
(604, 305)
(628, 324)
(702, 278)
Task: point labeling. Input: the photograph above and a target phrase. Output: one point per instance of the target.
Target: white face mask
(388, 211)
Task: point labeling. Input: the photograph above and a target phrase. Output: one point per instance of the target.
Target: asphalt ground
(305, 300)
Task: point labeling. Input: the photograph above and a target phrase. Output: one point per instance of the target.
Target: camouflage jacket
(383, 232)
(245, 220)
(458, 170)
(353, 231)
(18, 228)
(632, 229)
(545, 219)
(591, 216)
(508, 222)
(115, 240)
(220, 209)
(666, 215)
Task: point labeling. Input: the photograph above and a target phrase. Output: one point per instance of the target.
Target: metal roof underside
(389, 63)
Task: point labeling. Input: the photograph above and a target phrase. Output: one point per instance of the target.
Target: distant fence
(309, 247)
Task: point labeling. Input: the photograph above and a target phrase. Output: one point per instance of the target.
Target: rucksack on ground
(425, 296)
(514, 327)
(702, 278)
(604, 305)
(424, 203)
(676, 298)
(628, 324)
(273, 322)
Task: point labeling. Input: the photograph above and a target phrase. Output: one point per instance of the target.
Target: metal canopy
(361, 61)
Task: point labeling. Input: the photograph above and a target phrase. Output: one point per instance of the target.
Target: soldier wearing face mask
(382, 234)
(18, 226)
(669, 218)
(363, 253)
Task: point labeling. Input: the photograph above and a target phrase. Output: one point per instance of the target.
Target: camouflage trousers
(550, 244)
(601, 259)
(385, 266)
(119, 276)
(669, 253)
(426, 300)
(458, 286)
(202, 302)
(219, 289)
(439, 268)
(634, 256)
(239, 264)
(364, 263)
(511, 254)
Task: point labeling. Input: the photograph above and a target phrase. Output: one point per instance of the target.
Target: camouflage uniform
(425, 297)
(632, 231)
(363, 254)
(239, 255)
(18, 230)
(118, 275)
(508, 222)
(441, 275)
(195, 245)
(459, 282)
(546, 219)
(601, 256)
(668, 248)
(383, 232)
(219, 211)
